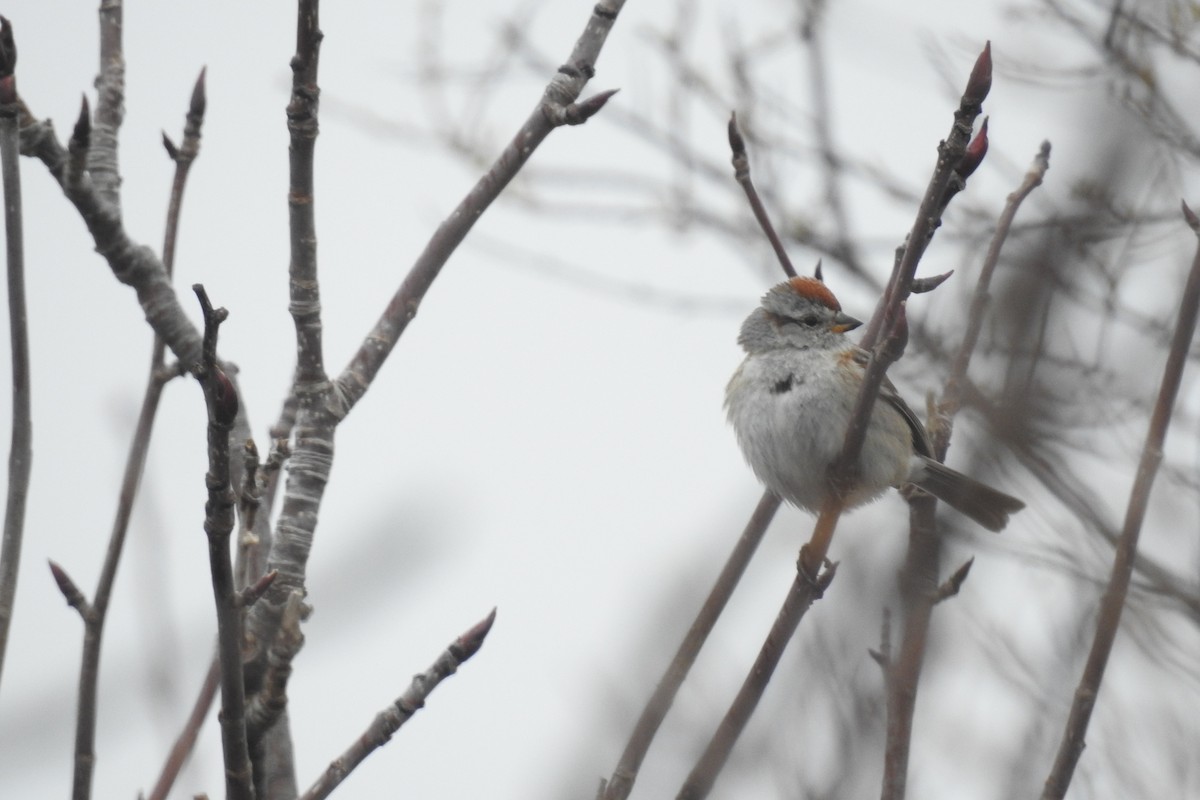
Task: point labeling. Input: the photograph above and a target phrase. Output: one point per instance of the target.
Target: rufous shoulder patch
(814, 290)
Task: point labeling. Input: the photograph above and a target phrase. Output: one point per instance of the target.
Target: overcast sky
(548, 436)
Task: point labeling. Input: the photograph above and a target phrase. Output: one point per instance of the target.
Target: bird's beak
(844, 322)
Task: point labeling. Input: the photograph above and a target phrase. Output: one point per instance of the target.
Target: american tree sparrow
(790, 403)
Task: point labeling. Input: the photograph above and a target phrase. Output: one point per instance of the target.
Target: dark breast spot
(784, 385)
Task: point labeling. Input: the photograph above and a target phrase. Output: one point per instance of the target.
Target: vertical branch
(314, 431)
(919, 577)
(1113, 602)
(221, 400)
(20, 454)
(949, 177)
(304, 290)
(102, 161)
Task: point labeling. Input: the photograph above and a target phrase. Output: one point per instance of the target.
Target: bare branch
(562, 91)
(952, 394)
(220, 398)
(623, 777)
(741, 173)
(102, 155)
(391, 718)
(305, 295)
(919, 577)
(1113, 602)
(806, 588)
(20, 453)
(186, 740)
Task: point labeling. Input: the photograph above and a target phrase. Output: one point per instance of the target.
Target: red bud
(980, 82)
(976, 150)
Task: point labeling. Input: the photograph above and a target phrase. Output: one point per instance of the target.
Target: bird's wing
(889, 395)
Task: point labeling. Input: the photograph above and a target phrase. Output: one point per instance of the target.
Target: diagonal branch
(133, 264)
(1113, 602)
(388, 721)
(558, 106)
(625, 773)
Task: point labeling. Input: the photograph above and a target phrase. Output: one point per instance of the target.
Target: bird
(790, 403)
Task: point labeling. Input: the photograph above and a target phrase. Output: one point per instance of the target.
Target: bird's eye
(812, 320)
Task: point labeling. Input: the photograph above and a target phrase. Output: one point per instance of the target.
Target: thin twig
(558, 106)
(133, 264)
(741, 173)
(952, 393)
(812, 36)
(1111, 605)
(388, 721)
(20, 453)
(951, 152)
(623, 777)
(186, 740)
(804, 591)
(221, 400)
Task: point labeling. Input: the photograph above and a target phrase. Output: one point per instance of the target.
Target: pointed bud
(69, 590)
(469, 643)
(923, 285)
(976, 150)
(199, 99)
(980, 82)
(1190, 217)
(251, 594)
(817, 272)
(8, 49)
(579, 113)
(954, 583)
(737, 144)
(82, 134)
(225, 399)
